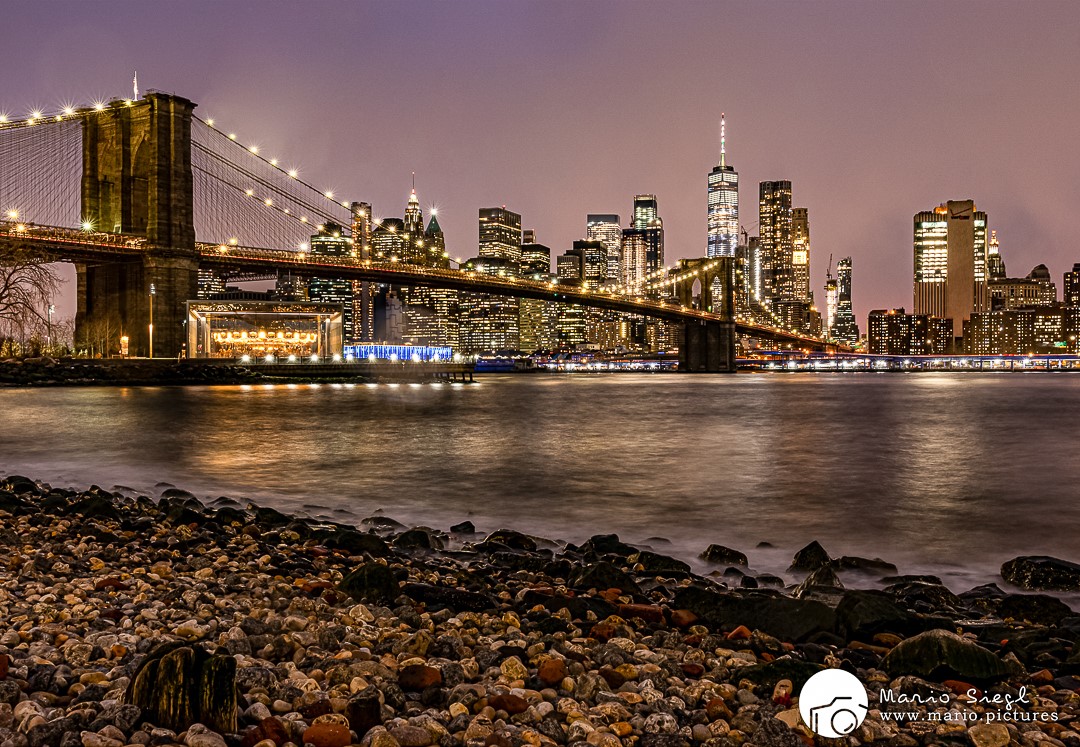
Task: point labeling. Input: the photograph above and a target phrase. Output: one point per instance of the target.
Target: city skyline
(858, 154)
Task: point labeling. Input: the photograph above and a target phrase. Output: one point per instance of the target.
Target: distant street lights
(48, 331)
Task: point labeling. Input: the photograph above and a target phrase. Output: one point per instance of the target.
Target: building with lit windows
(995, 263)
(332, 242)
(895, 332)
(536, 319)
(1037, 289)
(500, 234)
(723, 205)
(210, 284)
(845, 329)
(571, 322)
(373, 351)
(594, 263)
(642, 252)
(950, 262)
(1033, 330)
(606, 228)
(489, 324)
(1071, 287)
(800, 255)
(774, 229)
(363, 316)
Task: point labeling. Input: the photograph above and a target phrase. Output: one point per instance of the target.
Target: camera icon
(833, 703)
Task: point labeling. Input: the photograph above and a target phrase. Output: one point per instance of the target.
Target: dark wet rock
(784, 668)
(922, 596)
(654, 562)
(1042, 573)
(373, 582)
(602, 575)
(1041, 609)
(443, 597)
(578, 607)
(864, 565)
(607, 544)
(822, 579)
(810, 558)
(382, 523)
(510, 538)
(356, 543)
(418, 539)
(863, 614)
(465, 527)
(724, 555)
(785, 618)
(940, 654)
(95, 507)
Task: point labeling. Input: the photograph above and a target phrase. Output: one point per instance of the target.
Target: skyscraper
(331, 242)
(642, 252)
(845, 329)
(831, 292)
(950, 262)
(1071, 289)
(774, 228)
(594, 262)
(536, 319)
(800, 255)
(723, 215)
(606, 228)
(363, 292)
(500, 234)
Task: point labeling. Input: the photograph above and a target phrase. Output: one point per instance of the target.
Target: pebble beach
(130, 620)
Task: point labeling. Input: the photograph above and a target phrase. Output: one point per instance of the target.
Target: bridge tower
(707, 346)
(137, 179)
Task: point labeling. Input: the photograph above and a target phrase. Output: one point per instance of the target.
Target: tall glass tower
(723, 220)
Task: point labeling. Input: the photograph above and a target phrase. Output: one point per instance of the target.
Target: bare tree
(100, 337)
(28, 283)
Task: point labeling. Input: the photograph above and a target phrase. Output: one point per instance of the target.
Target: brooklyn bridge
(141, 193)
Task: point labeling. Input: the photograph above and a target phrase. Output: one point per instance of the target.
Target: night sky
(874, 111)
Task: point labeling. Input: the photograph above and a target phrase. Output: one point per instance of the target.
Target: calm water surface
(951, 474)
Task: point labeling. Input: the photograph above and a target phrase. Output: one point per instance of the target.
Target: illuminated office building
(723, 205)
(1071, 287)
(571, 322)
(800, 255)
(489, 323)
(995, 263)
(606, 228)
(845, 329)
(210, 284)
(1033, 330)
(500, 235)
(895, 332)
(536, 318)
(642, 252)
(774, 229)
(332, 242)
(950, 262)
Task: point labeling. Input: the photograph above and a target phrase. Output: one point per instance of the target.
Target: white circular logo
(833, 703)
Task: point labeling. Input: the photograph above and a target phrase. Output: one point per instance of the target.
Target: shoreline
(390, 636)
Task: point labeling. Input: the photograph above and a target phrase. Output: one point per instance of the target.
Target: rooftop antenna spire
(135, 85)
(722, 143)
(414, 182)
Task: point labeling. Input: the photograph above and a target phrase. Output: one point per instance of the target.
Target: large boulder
(782, 617)
(654, 562)
(940, 654)
(177, 686)
(863, 614)
(601, 576)
(810, 558)
(1042, 572)
(724, 555)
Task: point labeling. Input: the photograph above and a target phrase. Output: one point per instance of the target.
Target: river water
(950, 474)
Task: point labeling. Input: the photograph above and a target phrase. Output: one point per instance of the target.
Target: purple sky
(874, 111)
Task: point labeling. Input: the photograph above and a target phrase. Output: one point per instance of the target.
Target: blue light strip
(398, 352)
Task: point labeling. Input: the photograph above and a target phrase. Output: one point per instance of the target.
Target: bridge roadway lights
(707, 347)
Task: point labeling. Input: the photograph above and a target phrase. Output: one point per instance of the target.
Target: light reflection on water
(951, 474)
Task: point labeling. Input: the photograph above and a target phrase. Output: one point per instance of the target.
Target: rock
(1041, 609)
(785, 668)
(513, 669)
(1042, 572)
(989, 735)
(364, 711)
(864, 565)
(179, 686)
(270, 728)
(603, 575)
(510, 538)
(443, 597)
(810, 558)
(863, 614)
(551, 671)
(654, 562)
(418, 676)
(92, 739)
(465, 527)
(371, 582)
(940, 654)
(199, 735)
(608, 544)
(782, 617)
(512, 704)
(327, 735)
(418, 539)
(724, 555)
(411, 736)
(357, 543)
(823, 578)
